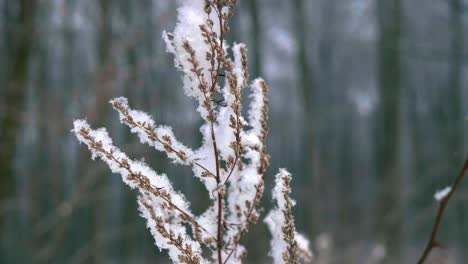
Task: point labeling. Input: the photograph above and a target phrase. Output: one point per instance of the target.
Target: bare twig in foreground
(442, 206)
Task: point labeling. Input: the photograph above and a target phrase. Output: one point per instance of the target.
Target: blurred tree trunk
(307, 84)
(388, 210)
(22, 39)
(97, 115)
(349, 228)
(256, 68)
(326, 178)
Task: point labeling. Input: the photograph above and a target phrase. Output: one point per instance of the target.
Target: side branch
(166, 142)
(141, 181)
(442, 206)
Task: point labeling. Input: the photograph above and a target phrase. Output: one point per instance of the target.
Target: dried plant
(287, 246)
(231, 161)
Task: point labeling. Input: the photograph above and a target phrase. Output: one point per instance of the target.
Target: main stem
(215, 149)
(220, 200)
(220, 203)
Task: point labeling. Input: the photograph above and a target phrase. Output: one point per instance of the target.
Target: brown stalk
(215, 148)
(442, 206)
(220, 200)
(220, 196)
(211, 118)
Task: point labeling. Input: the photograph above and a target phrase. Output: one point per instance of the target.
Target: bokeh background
(368, 111)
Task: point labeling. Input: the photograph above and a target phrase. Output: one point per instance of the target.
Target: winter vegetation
(231, 161)
(367, 109)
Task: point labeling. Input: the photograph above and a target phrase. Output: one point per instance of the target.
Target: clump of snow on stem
(206, 158)
(256, 106)
(303, 245)
(224, 133)
(208, 220)
(238, 67)
(439, 195)
(190, 16)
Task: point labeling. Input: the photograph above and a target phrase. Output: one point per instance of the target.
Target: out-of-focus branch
(442, 206)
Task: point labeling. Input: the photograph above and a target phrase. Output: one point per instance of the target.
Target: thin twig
(232, 169)
(215, 149)
(442, 206)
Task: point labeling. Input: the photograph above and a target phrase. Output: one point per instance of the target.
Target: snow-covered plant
(287, 245)
(231, 161)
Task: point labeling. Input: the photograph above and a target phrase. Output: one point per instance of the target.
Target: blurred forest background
(368, 111)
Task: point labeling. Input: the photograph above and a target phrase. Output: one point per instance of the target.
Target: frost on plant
(440, 195)
(230, 162)
(287, 246)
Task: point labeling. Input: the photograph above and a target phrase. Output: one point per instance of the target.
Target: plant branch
(232, 169)
(141, 180)
(154, 137)
(442, 206)
(215, 148)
